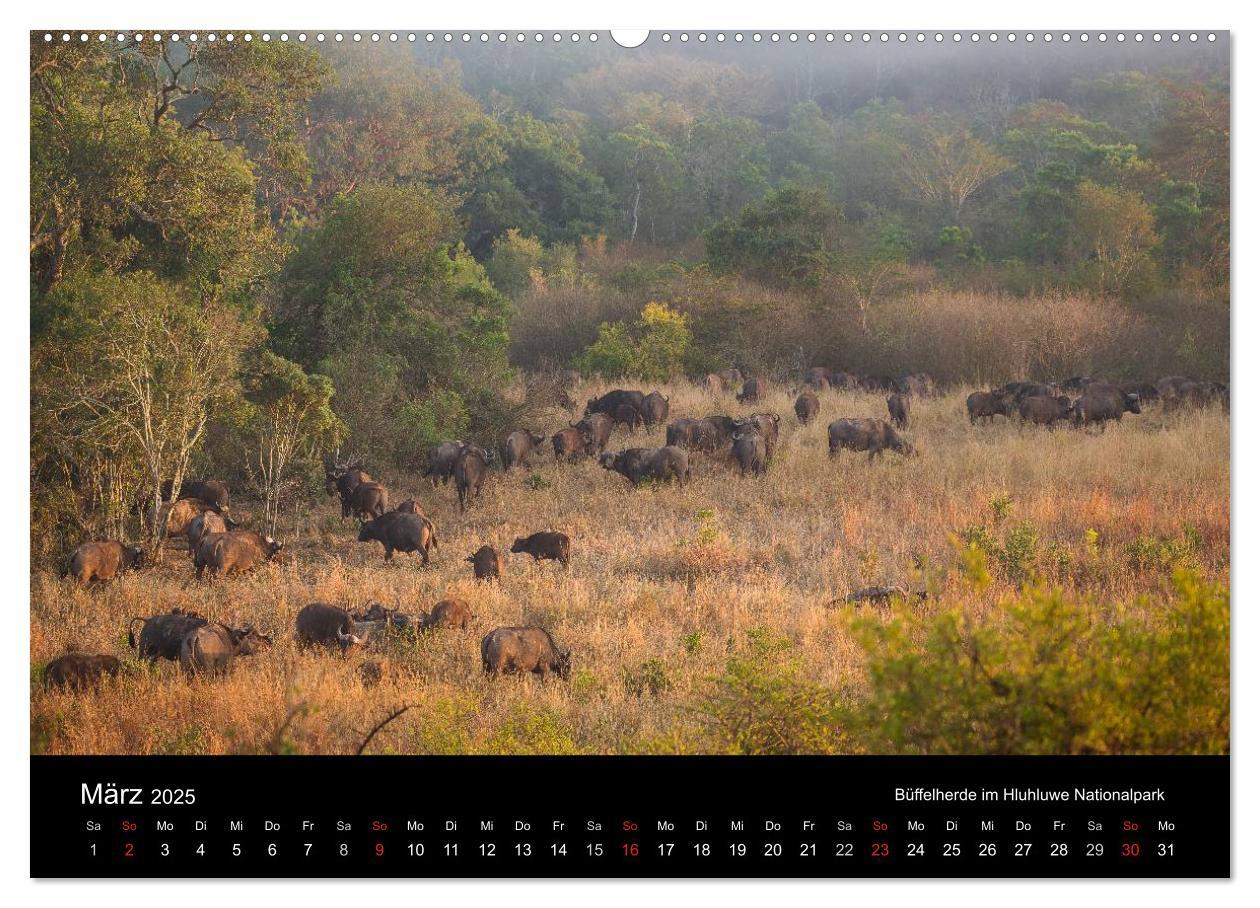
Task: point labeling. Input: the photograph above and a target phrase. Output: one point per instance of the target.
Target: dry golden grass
(673, 574)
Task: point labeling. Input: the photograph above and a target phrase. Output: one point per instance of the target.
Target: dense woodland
(247, 256)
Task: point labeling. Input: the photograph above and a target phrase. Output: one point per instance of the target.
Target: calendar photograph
(502, 395)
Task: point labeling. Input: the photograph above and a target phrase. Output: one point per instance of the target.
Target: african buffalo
(470, 474)
(200, 526)
(213, 492)
(454, 613)
(569, 444)
(544, 546)
(233, 552)
(608, 403)
(410, 506)
(368, 500)
(161, 635)
(683, 433)
(597, 429)
(80, 670)
(441, 460)
(984, 405)
(843, 381)
(628, 416)
(749, 451)
(655, 408)
(342, 479)
(767, 424)
(516, 448)
(871, 435)
(319, 624)
(486, 564)
(1101, 403)
(754, 391)
(401, 532)
(806, 407)
(713, 383)
(899, 409)
(917, 384)
(637, 464)
(209, 650)
(102, 561)
(508, 650)
(183, 513)
(1045, 411)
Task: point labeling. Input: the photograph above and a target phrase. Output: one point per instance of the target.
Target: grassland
(666, 584)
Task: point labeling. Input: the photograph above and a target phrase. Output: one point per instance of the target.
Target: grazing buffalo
(713, 383)
(161, 635)
(716, 433)
(806, 407)
(516, 448)
(876, 383)
(1045, 411)
(1170, 385)
(454, 613)
(80, 671)
(212, 491)
(470, 474)
(637, 464)
(319, 624)
(342, 479)
(569, 444)
(102, 561)
(871, 435)
(410, 506)
(655, 409)
(608, 403)
(486, 564)
(843, 381)
(401, 532)
(200, 527)
(368, 500)
(209, 650)
(749, 451)
(754, 391)
(899, 409)
(233, 552)
(509, 650)
(1101, 403)
(628, 416)
(545, 546)
(597, 429)
(984, 405)
(441, 461)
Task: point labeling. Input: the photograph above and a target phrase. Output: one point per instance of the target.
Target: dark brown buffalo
(515, 449)
(822, 383)
(1102, 403)
(843, 381)
(655, 409)
(342, 479)
(715, 433)
(638, 464)
(916, 384)
(899, 409)
(410, 506)
(441, 460)
(767, 424)
(608, 403)
(754, 391)
(806, 407)
(368, 500)
(454, 613)
(569, 444)
(509, 650)
(1045, 411)
(984, 405)
(200, 527)
(470, 474)
(233, 552)
(749, 450)
(401, 532)
(877, 383)
(1199, 394)
(1077, 383)
(871, 435)
(1146, 392)
(628, 416)
(683, 433)
(319, 624)
(1170, 385)
(486, 564)
(102, 561)
(161, 635)
(80, 671)
(210, 650)
(213, 492)
(545, 546)
(597, 428)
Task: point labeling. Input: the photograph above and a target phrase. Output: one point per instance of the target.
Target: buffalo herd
(219, 546)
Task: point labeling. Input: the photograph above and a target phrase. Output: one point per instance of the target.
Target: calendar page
(636, 454)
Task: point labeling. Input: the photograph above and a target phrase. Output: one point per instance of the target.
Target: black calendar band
(627, 817)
